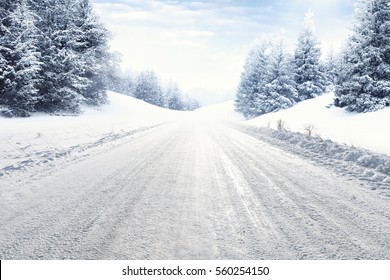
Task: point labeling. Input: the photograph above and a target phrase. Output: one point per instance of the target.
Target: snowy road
(191, 190)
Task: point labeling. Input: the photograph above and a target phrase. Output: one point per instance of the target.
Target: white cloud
(204, 43)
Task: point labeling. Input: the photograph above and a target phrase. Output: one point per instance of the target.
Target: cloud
(204, 43)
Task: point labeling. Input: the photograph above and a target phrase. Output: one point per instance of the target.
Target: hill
(366, 130)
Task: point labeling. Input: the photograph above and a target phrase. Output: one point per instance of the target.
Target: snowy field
(367, 130)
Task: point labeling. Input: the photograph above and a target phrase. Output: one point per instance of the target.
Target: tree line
(147, 86)
(55, 57)
(360, 75)
(52, 56)
(363, 83)
(274, 79)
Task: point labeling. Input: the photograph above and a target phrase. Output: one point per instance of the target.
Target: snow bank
(350, 143)
(362, 130)
(345, 160)
(42, 138)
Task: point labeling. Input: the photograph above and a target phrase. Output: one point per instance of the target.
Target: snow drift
(328, 122)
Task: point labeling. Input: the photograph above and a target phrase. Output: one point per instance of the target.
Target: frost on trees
(176, 100)
(309, 76)
(71, 54)
(6, 8)
(253, 80)
(279, 91)
(51, 56)
(174, 97)
(267, 83)
(11, 55)
(364, 82)
(148, 88)
(272, 81)
(91, 44)
(61, 79)
(332, 68)
(20, 75)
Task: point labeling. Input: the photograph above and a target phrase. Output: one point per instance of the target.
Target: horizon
(202, 45)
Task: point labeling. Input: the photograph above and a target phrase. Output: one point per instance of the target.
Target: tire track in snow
(330, 224)
(192, 191)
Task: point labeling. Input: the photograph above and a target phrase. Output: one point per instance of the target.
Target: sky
(202, 45)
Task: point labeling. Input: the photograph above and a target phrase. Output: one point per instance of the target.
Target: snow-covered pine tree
(364, 82)
(62, 70)
(174, 97)
(332, 68)
(90, 42)
(148, 88)
(309, 76)
(22, 74)
(190, 104)
(252, 82)
(279, 91)
(115, 79)
(6, 9)
(128, 81)
(56, 51)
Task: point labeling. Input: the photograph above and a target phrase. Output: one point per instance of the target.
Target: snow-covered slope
(367, 130)
(41, 138)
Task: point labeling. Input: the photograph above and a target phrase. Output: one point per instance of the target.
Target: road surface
(192, 190)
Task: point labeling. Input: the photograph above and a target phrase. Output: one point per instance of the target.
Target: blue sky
(203, 44)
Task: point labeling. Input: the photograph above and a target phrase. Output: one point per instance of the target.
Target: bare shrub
(281, 125)
(309, 129)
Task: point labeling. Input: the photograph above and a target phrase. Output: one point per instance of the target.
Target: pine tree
(309, 76)
(332, 68)
(21, 66)
(62, 79)
(53, 55)
(364, 82)
(190, 104)
(253, 80)
(90, 42)
(7, 7)
(279, 91)
(148, 88)
(22, 76)
(128, 82)
(174, 97)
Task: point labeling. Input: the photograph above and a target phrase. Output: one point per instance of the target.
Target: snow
(351, 144)
(42, 139)
(223, 112)
(350, 132)
(38, 139)
(366, 130)
(134, 181)
(199, 191)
